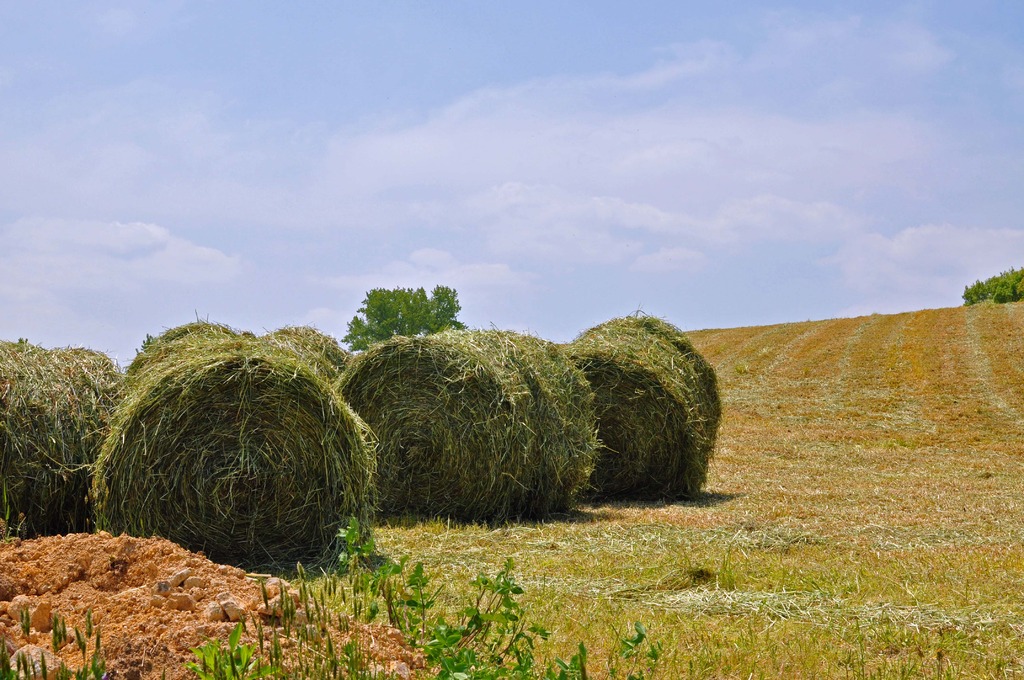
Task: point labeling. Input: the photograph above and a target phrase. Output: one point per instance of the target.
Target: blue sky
(558, 163)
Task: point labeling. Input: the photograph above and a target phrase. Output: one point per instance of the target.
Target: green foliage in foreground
(1006, 287)
(492, 637)
(215, 662)
(403, 311)
(93, 666)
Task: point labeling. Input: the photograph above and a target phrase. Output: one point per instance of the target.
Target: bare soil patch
(149, 612)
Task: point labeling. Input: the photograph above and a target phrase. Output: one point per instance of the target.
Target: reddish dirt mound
(152, 601)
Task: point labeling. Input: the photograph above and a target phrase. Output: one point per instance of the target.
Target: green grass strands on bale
(475, 425)
(235, 447)
(155, 348)
(54, 414)
(320, 350)
(658, 408)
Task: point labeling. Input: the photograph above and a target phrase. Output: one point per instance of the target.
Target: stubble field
(864, 515)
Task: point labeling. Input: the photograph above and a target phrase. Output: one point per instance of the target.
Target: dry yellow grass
(865, 514)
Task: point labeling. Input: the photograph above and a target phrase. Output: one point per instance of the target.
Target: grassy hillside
(865, 514)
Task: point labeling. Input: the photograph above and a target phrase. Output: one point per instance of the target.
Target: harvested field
(863, 517)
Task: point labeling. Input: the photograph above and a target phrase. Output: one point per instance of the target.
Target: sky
(558, 163)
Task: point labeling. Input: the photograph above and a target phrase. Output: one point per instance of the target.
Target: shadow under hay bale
(55, 407)
(475, 425)
(229, 445)
(318, 349)
(658, 409)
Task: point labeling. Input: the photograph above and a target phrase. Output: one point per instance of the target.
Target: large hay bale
(475, 425)
(658, 408)
(318, 349)
(234, 447)
(54, 413)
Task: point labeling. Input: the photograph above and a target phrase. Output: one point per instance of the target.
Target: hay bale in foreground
(320, 350)
(657, 405)
(54, 413)
(475, 425)
(231, 446)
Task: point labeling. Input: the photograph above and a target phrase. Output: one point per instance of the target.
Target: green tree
(403, 311)
(1005, 287)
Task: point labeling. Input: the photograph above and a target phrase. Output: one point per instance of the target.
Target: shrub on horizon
(1007, 286)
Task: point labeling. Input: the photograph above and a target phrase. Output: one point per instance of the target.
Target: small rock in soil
(179, 577)
(37, 656)
(213, 612)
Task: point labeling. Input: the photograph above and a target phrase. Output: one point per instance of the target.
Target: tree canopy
(1005, 287)
(403, 311)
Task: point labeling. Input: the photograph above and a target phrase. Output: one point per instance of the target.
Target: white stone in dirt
(38, 612)
(37, 657)
(401, 669)
(232, 608)
(182, 602)
(19, 604)
(179, 577)
(194, 582)
(276, 585)
(214, 613)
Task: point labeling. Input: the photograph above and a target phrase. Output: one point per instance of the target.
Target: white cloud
(789, 39)
(55, 255)
(102, 283)
(924, 266)
(704, 57)
(117, 21)
(428, 267)
(669, 260)
(547, 223)
(915, 50)
(1013, 78)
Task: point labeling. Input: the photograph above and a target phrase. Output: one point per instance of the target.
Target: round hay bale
(475, 425)
(156, 348)
(234, 447)
(318, 349)
(55, 407)
(658, 408)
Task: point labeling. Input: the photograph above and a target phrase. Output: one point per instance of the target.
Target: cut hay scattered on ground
(231, 446)
(54, 412)
(476, 425)
(658, 408)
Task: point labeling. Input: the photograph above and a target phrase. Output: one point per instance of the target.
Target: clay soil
(143, 636)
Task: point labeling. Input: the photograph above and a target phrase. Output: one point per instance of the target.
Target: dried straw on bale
(232, 446)
(319, 350)
(475, 425)
(658, 408)
(54, 413)
(157, 348)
